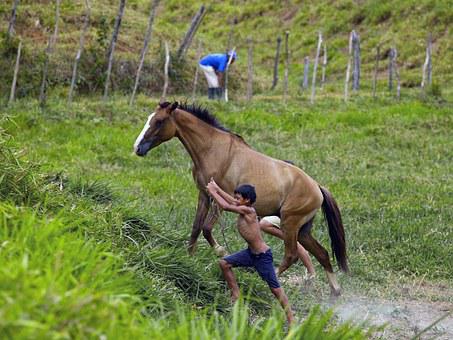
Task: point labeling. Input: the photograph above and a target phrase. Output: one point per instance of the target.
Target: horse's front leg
(200, 218)
(213, 216)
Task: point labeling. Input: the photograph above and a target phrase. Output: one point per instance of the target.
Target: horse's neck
(203, 142)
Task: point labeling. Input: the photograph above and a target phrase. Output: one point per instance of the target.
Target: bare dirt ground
(404, 319)
(405, 310)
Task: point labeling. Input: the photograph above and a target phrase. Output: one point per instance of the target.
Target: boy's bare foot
(291, 319)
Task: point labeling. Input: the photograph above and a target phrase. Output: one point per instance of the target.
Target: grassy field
(89, 230)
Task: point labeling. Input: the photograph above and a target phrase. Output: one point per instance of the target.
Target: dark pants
(262, 262)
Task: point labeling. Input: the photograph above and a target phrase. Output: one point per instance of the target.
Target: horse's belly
(268, 200)
(269, 185)
(266, 208)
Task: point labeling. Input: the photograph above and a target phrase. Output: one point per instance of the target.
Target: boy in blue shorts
(258, 254)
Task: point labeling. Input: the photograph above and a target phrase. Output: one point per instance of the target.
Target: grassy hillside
(403, 24)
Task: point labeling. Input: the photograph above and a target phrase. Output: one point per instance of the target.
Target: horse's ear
(174, 106)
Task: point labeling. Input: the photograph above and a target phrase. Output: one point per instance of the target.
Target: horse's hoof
(220, 251)
(191, 250)
(335, 293)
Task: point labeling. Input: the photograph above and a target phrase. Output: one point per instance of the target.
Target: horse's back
(274, 180)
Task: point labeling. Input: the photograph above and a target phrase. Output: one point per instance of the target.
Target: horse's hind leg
(321, 254)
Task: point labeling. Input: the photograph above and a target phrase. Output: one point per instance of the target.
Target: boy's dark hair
(247, 191)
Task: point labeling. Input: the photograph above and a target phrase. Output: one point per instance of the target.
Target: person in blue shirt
(214, 67)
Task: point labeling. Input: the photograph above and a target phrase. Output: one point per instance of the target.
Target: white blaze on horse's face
(142, 134)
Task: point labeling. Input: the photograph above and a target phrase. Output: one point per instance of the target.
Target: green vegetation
(403, 24)
(103, 232)
(89, 249)
(93, 239)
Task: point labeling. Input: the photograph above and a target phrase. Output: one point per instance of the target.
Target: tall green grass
(78, 267)
(18, 181)
(205, 325)
(54, 283)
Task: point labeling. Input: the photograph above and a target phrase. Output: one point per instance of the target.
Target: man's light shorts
(274, 220)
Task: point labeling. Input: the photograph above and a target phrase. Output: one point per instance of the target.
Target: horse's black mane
(202, 113)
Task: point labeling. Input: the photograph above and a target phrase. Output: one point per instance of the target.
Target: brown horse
(282, 189)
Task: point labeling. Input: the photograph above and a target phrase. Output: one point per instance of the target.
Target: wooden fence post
(277, 57)
(430, 64)
(285, 83)
(250, 69)
(348, 69)
(356, 56)
(187, 40)
(144, 50)
(167, 63)
(427, 66)
(306, 72)
(315, 67)
(195, 78)
(225, 93)
(49, 50)
(397, 74)
(80, 50)
(16, 71)
(376, 69)
(12, 20)
(390, 68)
(42, 92)
(111, 50)
(324, 64)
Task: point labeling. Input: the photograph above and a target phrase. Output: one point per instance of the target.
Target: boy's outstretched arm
(212, 190)
(226, 196)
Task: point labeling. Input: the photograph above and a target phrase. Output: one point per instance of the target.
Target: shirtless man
(271, 225)
(258, 254)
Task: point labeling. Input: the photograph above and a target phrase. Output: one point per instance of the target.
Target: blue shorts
(262, 262)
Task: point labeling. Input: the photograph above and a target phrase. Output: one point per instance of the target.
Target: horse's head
(159, 128)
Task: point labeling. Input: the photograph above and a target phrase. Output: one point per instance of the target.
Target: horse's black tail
(336, 230)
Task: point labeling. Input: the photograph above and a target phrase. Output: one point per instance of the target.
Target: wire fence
(29, 70)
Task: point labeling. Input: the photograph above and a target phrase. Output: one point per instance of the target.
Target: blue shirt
(218, 61)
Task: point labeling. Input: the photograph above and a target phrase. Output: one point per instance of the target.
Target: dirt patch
(403, 309)
(403, 319)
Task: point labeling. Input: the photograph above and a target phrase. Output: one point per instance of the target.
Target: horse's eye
(159, 123)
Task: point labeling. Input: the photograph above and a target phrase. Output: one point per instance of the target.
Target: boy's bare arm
(224, 204)
(226, 196)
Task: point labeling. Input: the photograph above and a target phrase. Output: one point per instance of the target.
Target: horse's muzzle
(143, 148)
